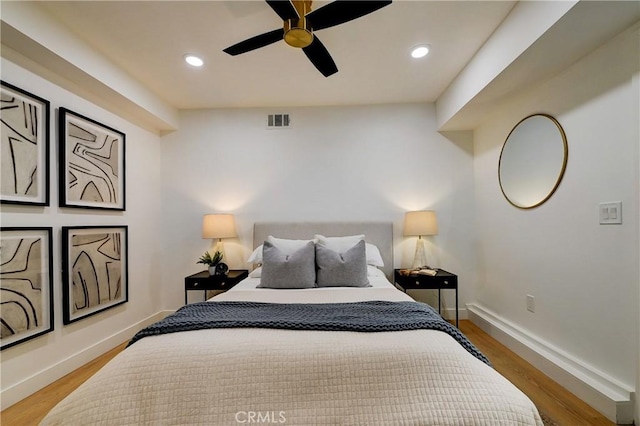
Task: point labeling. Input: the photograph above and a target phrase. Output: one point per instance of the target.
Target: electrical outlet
(531, 303)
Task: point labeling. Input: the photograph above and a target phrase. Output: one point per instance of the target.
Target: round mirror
(532, 161)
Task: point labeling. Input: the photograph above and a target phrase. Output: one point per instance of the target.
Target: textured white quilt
(239, 376)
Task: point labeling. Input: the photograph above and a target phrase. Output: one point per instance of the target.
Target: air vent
(278, 121)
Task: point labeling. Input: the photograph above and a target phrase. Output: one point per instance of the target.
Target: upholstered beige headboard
(378, 233)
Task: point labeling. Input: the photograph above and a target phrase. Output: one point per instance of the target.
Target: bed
(248, 374)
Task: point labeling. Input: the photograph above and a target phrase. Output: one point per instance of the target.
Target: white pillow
(373, 256)
(284, 245)
(257, 273)
(342, 244)
(256, 256)
(372, 271)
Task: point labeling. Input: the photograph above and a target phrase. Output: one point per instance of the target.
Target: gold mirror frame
(527, 172)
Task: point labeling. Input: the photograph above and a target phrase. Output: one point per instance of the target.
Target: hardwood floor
(550, 398)
(31, 410)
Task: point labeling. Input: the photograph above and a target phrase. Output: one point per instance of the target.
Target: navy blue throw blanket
(373, 316)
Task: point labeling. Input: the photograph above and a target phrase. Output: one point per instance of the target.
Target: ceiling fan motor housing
(297, 33)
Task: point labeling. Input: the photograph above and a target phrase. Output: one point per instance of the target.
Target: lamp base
(420, 256)
(219, 246)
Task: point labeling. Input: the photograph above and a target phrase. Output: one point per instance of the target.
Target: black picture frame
(24, 147)
(26, 284)
(92, 172)
(94, 270)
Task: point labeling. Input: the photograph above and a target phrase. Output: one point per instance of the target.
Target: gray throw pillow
(348, 269)
(281, 270)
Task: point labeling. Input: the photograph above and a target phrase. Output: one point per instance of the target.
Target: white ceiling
(148, 39)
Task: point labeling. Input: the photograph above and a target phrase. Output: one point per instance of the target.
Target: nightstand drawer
(212, 283)
(436, 281)
(442, 280)
(203, 281)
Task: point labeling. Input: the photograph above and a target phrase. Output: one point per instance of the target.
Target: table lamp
(420, 223)
(218, 226)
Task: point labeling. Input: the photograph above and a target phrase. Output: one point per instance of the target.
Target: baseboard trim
(448, 313)
(39, 380)
(610, 397)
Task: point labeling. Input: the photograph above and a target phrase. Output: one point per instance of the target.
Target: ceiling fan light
(420, 51)
(298, 37)
(297, 34)
(193, 60)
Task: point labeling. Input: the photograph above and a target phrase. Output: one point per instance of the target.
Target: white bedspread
(237, 376)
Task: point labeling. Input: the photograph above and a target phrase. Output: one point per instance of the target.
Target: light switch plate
(611, 213)
(531, 303)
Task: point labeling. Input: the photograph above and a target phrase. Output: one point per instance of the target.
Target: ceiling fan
(300, 23)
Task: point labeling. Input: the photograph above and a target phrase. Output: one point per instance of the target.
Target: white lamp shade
(420, 223)
(218, 226)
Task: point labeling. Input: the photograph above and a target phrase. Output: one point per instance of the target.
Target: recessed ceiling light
(420, 51)
(193, 60)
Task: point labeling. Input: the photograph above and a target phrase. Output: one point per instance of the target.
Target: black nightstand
(203, 281)
(441, 281)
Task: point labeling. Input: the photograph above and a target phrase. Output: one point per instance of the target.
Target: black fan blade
(319, 56)
(284, 9)
(341, 11)
(256, 42)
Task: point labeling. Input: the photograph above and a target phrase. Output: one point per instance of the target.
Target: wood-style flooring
(557, 403)
(560, 405)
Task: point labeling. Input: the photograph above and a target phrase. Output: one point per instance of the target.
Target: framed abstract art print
(24, 147)
(26, 284)
(94, 270)
(92, 163)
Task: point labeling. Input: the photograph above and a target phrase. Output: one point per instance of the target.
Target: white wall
(526, 23)
(584, 276)
(35, 363)
(334, 163)
(64, 58)
(636, 89)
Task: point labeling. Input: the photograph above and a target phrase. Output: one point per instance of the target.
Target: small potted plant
(211, 261)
